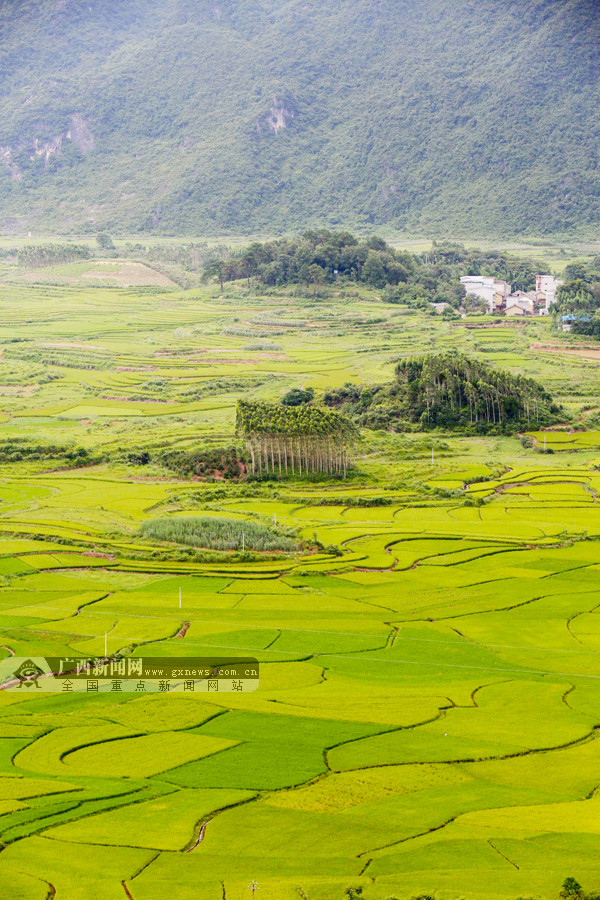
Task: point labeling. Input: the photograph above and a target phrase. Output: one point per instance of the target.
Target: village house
(499, 296)
(520, 303)
(546, 289)
(492, 290)
(566, 322)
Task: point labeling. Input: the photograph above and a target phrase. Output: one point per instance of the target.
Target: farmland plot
(429, 684)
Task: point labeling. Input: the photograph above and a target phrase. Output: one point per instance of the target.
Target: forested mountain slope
(445, 116)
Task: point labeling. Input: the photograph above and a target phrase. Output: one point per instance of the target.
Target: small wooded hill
(448, 391)
(473, 117)
(321, 256)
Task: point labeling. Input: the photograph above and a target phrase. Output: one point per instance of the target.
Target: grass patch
(216, 533)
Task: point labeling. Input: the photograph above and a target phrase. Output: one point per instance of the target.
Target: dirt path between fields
(183, 630)
(199, 838)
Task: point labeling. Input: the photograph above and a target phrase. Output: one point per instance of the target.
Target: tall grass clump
(216, 533)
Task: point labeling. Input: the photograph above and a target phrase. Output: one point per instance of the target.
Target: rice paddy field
(429, 702)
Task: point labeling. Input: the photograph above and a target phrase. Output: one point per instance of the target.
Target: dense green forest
(322, 257)
(210, 116)
(448, 391)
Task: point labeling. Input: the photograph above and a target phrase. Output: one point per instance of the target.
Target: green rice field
(429, 641)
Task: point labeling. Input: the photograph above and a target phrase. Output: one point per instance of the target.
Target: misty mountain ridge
(440, 116)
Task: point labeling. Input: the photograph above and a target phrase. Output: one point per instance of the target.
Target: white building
(546, 288)
(494, 292)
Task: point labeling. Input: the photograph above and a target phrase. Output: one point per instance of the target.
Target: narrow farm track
(183, 630)
(199, 839)
(51, 890)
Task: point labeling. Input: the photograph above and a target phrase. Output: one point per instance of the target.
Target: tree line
(295, 439)
(37, 256)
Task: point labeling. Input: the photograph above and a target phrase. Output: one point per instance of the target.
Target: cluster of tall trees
(295, 439)
(315, 258)
(448, 387)
(448, 391)
(34, 256)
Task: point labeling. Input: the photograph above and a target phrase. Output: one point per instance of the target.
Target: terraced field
(429, 696)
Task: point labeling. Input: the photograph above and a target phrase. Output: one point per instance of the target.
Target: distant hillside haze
(444, 117)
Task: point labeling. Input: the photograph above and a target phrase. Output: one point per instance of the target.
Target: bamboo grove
(295, 440)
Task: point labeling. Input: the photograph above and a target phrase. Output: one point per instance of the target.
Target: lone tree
(298, 396)
(104, 241)
(571, 889)
(297, 438)
(216, 270)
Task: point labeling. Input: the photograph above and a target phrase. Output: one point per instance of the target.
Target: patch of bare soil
(214, 361)
(503, 323)
(17, 390)
(129, 274)
(120, 274)
(176, 353)
(584, 352)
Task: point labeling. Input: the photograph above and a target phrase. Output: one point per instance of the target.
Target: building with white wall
(546, 288)
(492, 290)
(499, 297)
